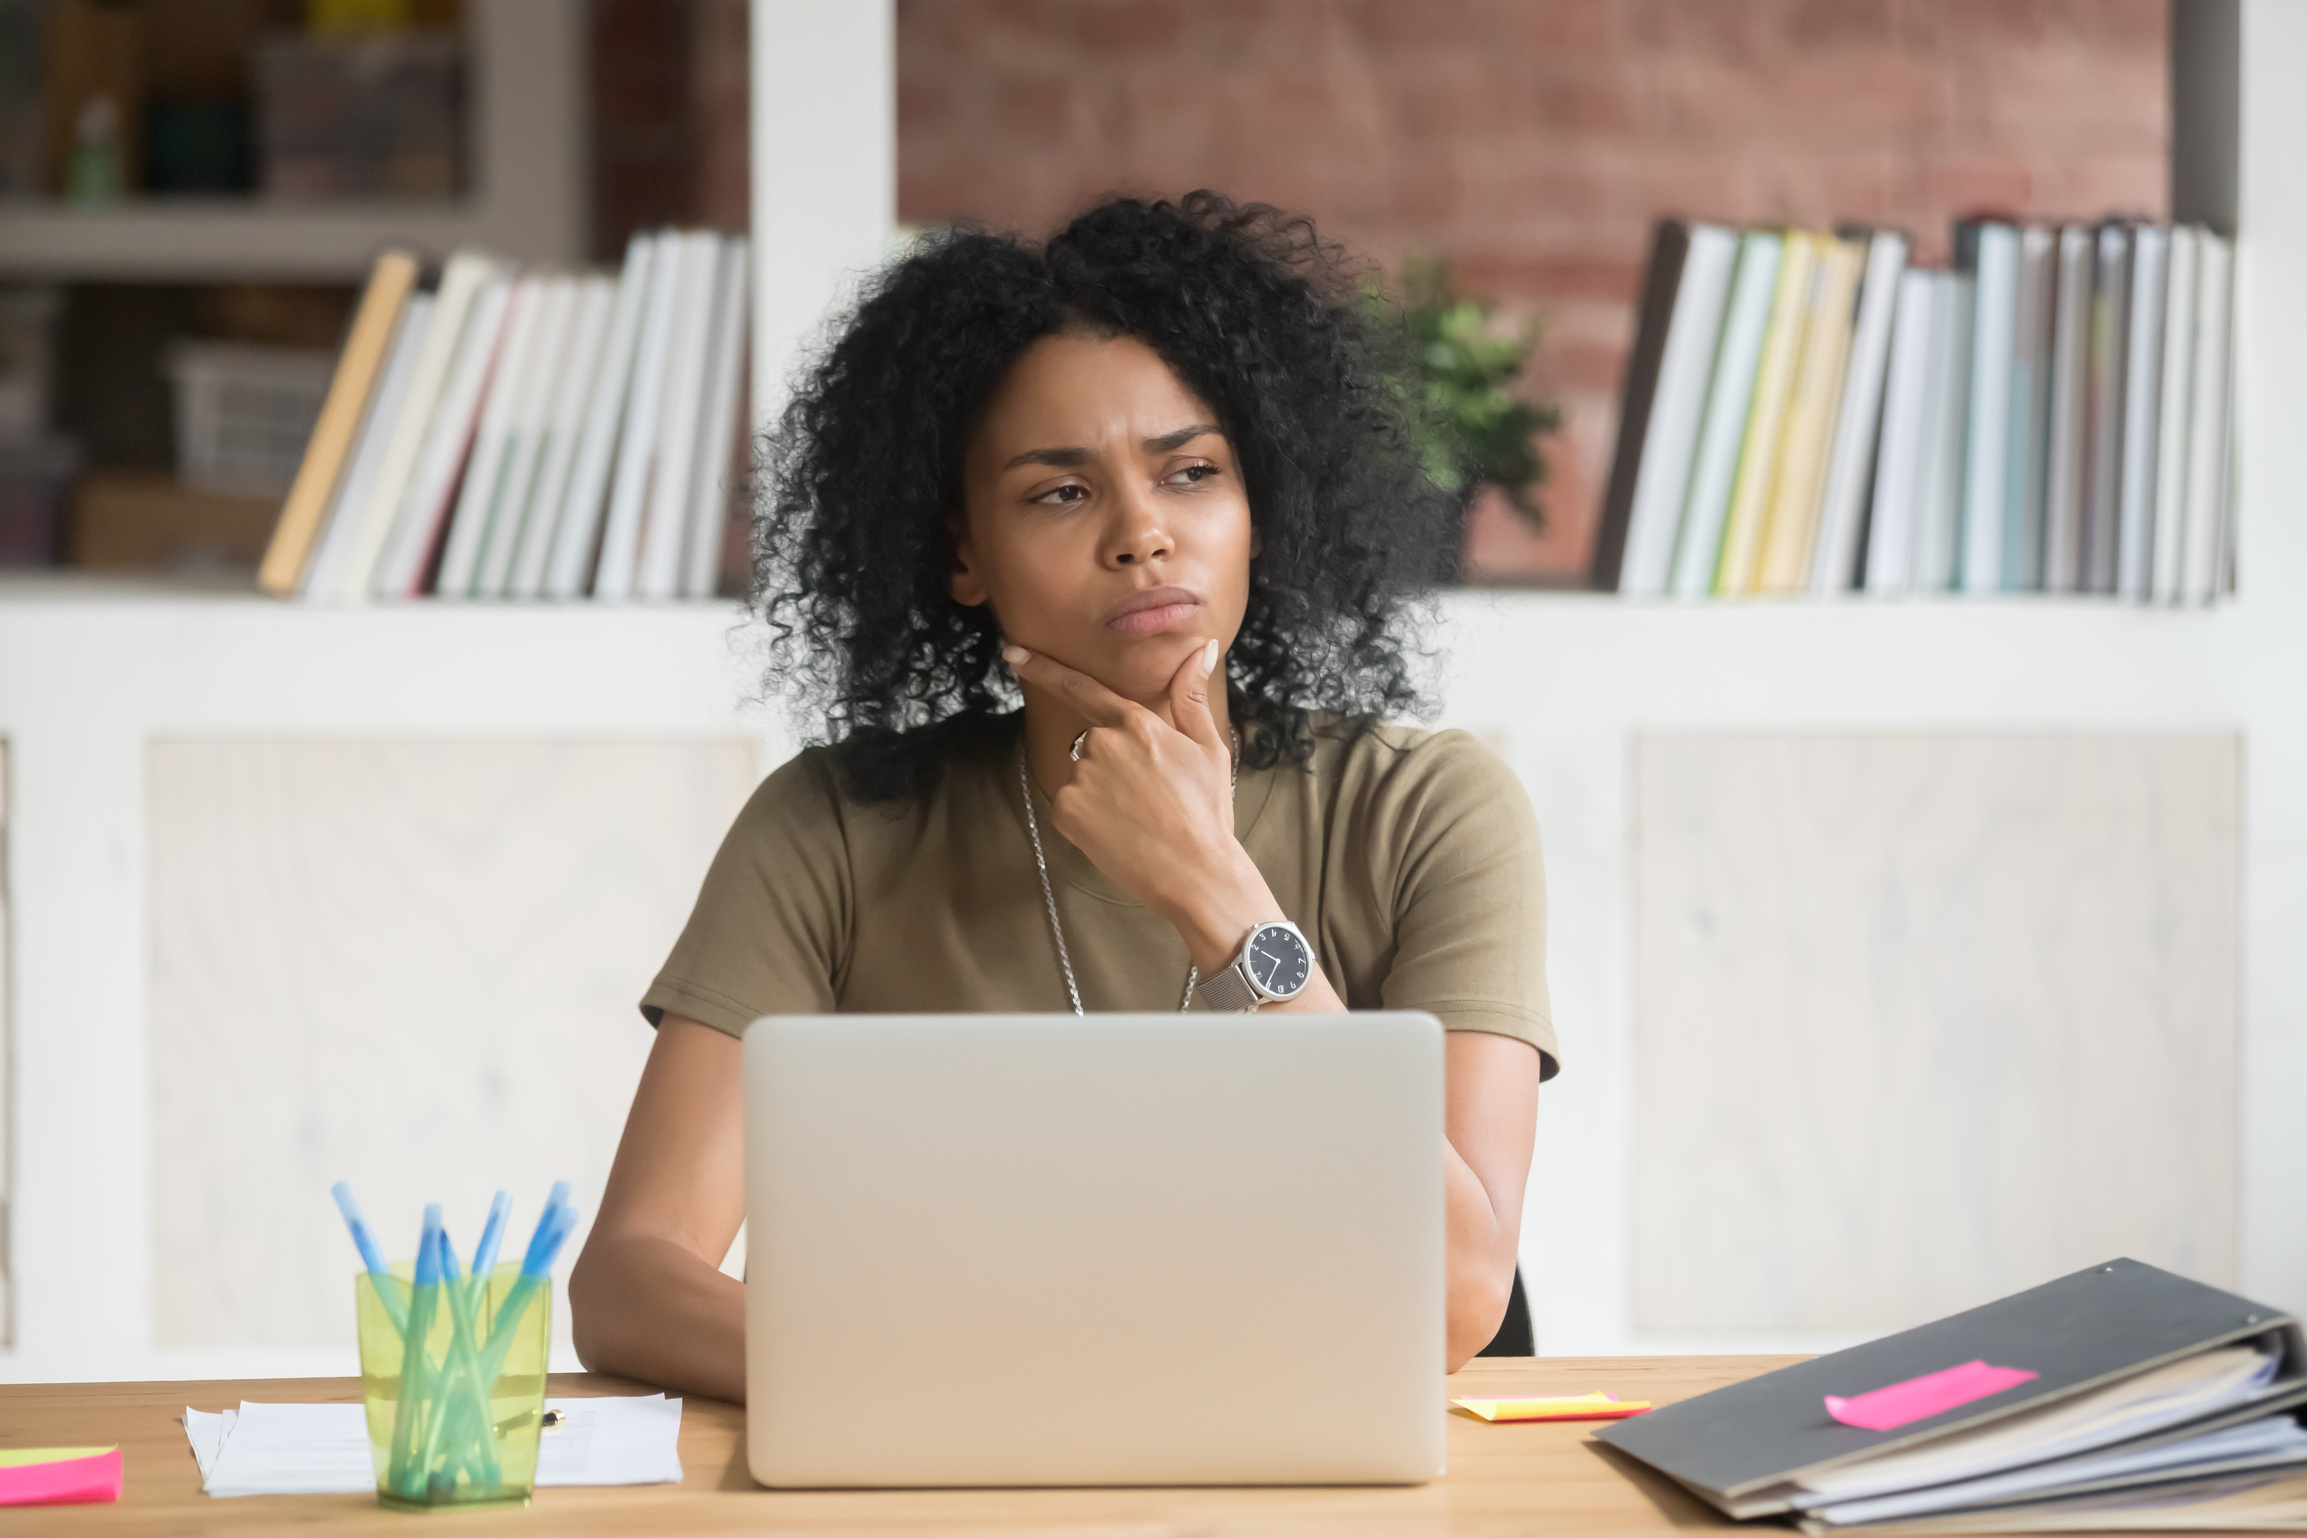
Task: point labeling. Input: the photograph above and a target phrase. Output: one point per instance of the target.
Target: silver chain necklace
(1049, 897)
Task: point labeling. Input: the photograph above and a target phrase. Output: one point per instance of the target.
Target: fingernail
(1209, 659)
(1013, 655)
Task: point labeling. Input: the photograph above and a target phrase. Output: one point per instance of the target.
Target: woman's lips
(1155, 610)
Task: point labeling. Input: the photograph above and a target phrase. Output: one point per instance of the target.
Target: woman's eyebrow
(1066, 459)
(1179, 439)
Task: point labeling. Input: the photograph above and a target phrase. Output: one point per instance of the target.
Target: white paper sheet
(322, 1449)
(2274, 1441)
(207, 1430)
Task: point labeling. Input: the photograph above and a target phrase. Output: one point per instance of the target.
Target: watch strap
(1228, 992)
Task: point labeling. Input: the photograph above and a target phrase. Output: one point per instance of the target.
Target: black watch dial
(1279, 962)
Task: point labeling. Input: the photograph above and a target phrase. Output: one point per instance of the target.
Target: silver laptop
(1120, 1250)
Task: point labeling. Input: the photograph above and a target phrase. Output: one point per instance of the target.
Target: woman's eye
(1064, 495)
(1194, 475)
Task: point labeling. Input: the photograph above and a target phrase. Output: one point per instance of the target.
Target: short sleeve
(1468, 891)
(770, 932)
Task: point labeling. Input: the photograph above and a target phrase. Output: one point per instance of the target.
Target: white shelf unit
(91, 673)
(527, 135)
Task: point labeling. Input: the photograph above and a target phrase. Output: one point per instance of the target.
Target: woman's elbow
(1477, 1307)
(588, 1313)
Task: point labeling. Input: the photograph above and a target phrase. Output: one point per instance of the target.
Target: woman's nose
(1137, 535)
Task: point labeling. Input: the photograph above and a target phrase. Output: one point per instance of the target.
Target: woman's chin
(1147, 664)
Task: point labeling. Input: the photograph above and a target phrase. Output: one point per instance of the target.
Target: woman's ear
(963, 582)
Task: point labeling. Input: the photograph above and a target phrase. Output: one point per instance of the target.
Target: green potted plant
(1473, 429)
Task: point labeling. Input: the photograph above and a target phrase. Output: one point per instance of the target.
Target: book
(1939, 504)
(1989, 251)
(613, 577)
(2110, 333)
(1670, 438)
(372, 527)
(1791, 524)
(577, 530)
(563, 426)
(1730, 390)
(718, 437)
(673, 470)
(418, 524)
(2121, 1355)
(525, 437)
(2029, 450)
(391, 279)
(2066, 463)
(2207, 453)
(1834, 566)
(502, 380)
(2173, 429)
(2142, 395)
(1653, 321)
(1742, 530)
(320, 573)
(1894, 519)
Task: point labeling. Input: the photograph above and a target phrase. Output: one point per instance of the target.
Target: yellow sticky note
(18, 1457)
(1553, 1407)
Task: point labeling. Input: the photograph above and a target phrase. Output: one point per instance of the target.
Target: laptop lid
(1120, 1249)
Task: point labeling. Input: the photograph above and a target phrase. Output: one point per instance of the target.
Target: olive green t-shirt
(1410, 859)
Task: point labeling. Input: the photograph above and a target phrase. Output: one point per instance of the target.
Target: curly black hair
(1257, 316)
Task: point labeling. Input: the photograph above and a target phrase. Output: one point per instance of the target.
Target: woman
(1150, 478)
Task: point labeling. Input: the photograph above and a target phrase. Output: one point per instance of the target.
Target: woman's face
(1105, 520)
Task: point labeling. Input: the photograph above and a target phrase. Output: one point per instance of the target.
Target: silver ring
(1075, 752)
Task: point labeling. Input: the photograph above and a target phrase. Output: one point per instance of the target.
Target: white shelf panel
(1551, 666)
(77, 656)
(246, 239)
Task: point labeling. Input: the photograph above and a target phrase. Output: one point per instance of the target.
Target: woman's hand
(1150, 803)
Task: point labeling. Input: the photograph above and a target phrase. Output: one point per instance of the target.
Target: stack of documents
(2121, 1397)
(323, 1449)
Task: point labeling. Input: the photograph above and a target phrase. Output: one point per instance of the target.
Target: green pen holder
(444, 1429)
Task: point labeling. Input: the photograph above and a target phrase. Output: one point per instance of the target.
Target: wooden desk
(1503, 1479)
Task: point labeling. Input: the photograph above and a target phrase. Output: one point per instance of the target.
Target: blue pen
(380, 1275)
(553, 1228)
(492, 1234)
(461, 1363)
(423, 1301)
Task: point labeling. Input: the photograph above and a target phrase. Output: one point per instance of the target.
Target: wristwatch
(1275, 965)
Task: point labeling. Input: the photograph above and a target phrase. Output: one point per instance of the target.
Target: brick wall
(1533, 141)
(668, 97)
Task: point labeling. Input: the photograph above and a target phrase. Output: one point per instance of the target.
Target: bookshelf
(1564, 683)
(527, 111)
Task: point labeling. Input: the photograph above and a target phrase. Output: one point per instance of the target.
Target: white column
(80, 1223)
(2271, 337)
(824, 169)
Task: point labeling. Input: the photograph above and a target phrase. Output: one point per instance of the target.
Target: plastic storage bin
(243, 413)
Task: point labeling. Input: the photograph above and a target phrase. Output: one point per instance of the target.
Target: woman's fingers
(1190, 698)
(1097, 704)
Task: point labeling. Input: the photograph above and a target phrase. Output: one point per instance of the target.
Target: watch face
(1279, 962)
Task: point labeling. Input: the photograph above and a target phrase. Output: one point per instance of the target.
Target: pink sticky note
(65, 1481)
(1887, 1409)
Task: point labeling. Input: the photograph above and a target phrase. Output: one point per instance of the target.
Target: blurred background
(1898, 948)
(1528, 146)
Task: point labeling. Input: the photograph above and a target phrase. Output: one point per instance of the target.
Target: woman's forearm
(1480, 1266)
(651, 1309)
